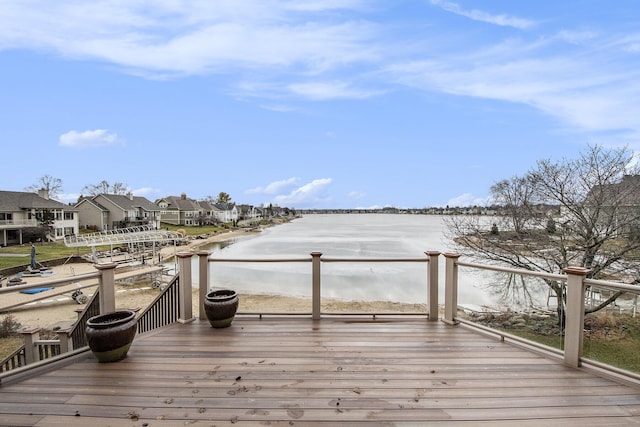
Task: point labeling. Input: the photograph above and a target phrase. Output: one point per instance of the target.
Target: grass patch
(44, 252)
(610, 337)
(9, 345)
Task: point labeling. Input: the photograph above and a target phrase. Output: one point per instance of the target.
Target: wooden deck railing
(175, 302)
(316, 260)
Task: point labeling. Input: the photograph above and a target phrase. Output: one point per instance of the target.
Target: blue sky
(311, 104)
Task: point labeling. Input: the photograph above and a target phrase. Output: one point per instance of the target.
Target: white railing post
(107, 295)
(451, 288)
(30, 336)
(203, 284)
(574, 315)
(185, 308)
(315, 294)
(432, 284)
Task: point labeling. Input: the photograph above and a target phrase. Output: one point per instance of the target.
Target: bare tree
(516, 198)
(104, 187)
(593, 202)
(53, 186)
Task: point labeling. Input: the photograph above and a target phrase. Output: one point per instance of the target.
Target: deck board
(336, 371)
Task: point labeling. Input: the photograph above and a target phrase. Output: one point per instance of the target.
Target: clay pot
(220, 307)
(110, 335)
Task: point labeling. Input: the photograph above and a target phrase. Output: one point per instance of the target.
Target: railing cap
(580, 271)
(184, 254)
(105, 266)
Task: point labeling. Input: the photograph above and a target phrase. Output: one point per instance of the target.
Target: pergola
(124, 236)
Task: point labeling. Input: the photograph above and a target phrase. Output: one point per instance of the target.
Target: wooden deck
(293, 371)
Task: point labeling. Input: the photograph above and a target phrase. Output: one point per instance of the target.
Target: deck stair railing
(76, 332)
(14, 360)
(163, 310)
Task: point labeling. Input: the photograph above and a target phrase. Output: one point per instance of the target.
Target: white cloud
(89, 138)
(592, 92)
(307, 195)
(68, 197)
(466, 199)
(172, 38)
(274, 187)
(330, 90)
(146, 192)
(281, 51)
(356, 195)
(478, 15)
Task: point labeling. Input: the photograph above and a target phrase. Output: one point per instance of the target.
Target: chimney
(43, 193)
(130, 194)
(183, 196)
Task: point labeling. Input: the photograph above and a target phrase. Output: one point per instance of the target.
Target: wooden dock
(337, 371)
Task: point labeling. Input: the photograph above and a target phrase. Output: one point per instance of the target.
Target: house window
(68, 215)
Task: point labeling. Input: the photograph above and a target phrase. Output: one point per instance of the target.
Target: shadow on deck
(335, 371)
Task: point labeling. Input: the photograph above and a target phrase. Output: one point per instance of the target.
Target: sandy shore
(61, 311)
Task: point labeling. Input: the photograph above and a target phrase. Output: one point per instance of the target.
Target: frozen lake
(346, 236)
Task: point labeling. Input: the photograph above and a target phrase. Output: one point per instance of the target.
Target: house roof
(92, 202)
(225, 206)
(181, 203)
(19, 200)
(130, 202)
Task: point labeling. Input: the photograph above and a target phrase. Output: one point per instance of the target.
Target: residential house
(249, 213)
(21, 211)
(208, 213)
(180, 210)
(226, 212)
(113, 211)
(617, 205)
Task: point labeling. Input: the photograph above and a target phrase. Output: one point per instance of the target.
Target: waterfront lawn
(44, 252)
(609, 337)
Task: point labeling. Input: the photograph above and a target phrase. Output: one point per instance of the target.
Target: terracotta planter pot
(110, 335)
(220, 307)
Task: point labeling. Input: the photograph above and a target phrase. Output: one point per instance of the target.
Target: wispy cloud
(466, 199)
(146, 192)
(204, 37)
(89, 139)
(323, 90)
(281, 53)
(313, 193)
(275, 187)
(586, 92)
(479, 15)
